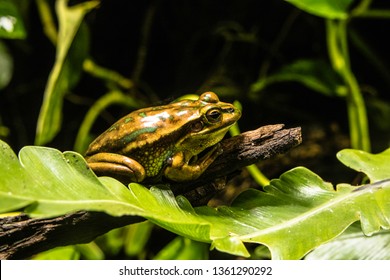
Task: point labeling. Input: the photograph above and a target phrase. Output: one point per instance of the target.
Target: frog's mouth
(201, 144)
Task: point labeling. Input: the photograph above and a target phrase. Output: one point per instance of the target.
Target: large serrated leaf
(51, 184)
(295, 214)
(299, 211)
(375, 166)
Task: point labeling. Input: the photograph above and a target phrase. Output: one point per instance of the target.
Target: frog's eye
(214, 115)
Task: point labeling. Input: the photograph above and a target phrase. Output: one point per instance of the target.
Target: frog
(174, 142)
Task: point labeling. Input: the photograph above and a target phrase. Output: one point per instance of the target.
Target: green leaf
(314, 74)
(49, 183)
(71, 51)
(60, 253)
(137, 235)
(183, 249)
(11, 174)
(11, 23)
(90, 251)
(354, 245)
(299, 211)
(375, 166)
(295, 214)
(332, 9)
(112, 242)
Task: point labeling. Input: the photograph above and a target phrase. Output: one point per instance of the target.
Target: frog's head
(209, 125)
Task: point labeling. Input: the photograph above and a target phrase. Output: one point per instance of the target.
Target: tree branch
(239, 151)
(21, 237)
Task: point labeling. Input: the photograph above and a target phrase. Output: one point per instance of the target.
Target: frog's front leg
(182, 169)
(110, 163)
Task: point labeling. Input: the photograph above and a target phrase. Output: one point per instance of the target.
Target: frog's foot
(118, 166)
(180, 170)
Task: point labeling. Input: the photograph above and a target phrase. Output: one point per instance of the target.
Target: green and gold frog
(164, 142)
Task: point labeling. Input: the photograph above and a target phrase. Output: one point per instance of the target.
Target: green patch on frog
(129, 119)
(113, 127)
(134, 135)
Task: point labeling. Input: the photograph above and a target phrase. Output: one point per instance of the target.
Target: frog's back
(146, 127)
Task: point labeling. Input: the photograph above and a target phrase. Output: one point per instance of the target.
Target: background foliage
(66, 74)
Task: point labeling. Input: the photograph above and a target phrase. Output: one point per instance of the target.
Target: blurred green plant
(67, 67)
(182, 248)
(11, 27)
(72, 51)
(338, 79)
(11, 22)
(6, 65)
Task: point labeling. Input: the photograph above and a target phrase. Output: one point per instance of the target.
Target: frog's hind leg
(117, 166)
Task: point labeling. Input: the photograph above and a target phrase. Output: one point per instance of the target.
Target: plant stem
(109, 75)
(48, 24)
(257, 175)
(375, 13)
(253, 170)
(357, 115)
